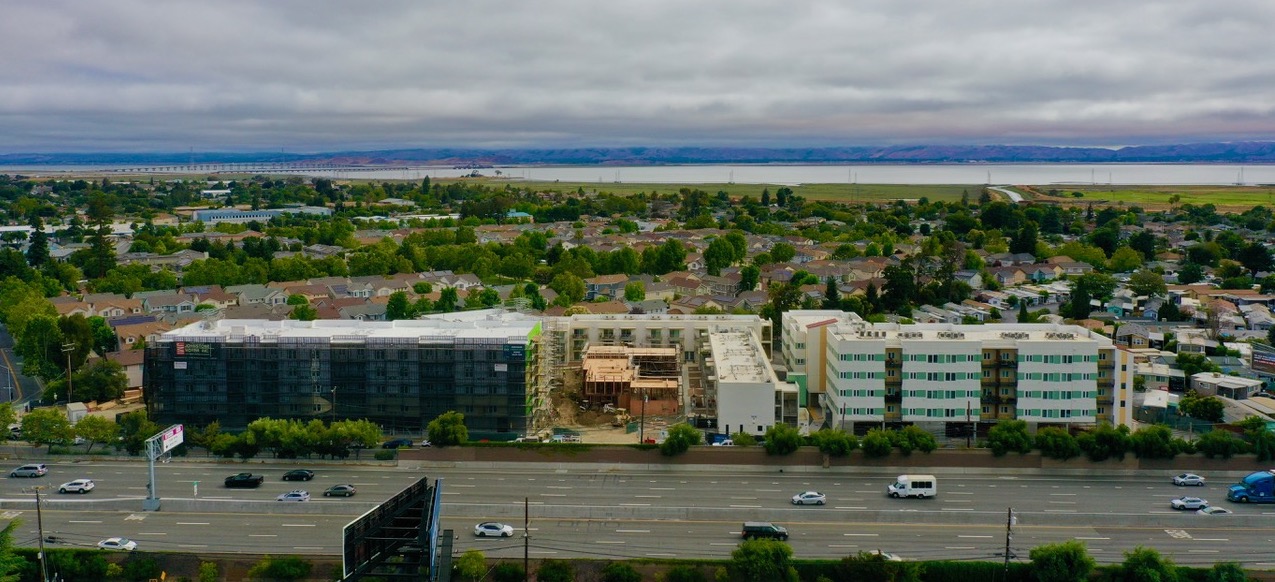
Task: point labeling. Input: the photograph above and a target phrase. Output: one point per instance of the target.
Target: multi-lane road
(676, 514)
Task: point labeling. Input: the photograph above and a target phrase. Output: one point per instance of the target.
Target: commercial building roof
(483, 324)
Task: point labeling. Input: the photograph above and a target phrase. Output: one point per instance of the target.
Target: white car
(809, 498)
(725, 443)
(1188, 479)
(297, 495)
(117, 544)
(77, 486)
(1188, 503)
(885, 555)
(1213, 511)
(493, 529)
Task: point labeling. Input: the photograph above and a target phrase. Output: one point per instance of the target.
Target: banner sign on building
(194, 350)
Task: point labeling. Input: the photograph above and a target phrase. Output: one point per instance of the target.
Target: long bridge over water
(254, 168)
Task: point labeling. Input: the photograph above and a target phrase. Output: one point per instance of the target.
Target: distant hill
(1236, 152)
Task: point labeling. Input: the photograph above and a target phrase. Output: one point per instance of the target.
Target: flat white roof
(738, 357)
(1007, 334)
(484, 324)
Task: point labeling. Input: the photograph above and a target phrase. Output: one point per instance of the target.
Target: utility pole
(526, 539)
(67, 349)
(39, 524)
(1009, 536)
(642, 426)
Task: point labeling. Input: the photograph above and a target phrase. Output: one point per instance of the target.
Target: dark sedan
(340, 491)
(298, 475)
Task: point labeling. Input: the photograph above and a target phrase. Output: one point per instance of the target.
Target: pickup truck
(247, 480)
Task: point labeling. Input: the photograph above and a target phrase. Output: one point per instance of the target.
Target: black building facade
(402, 378)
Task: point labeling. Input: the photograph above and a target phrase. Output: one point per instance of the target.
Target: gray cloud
(320, 75)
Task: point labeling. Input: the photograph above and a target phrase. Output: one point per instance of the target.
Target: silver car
(33, 470)
(1188, 503)
(493, 529)
(77, 486)
(1188, 480)
(809, 498)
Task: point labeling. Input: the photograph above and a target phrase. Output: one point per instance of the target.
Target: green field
(1230, 198)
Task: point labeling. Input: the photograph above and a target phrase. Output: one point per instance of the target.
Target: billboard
(1263, 359)
(194, 350)
(393, 529)
(170, 438)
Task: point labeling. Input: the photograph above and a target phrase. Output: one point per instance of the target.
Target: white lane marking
(1202, 551)
(842, 546)
(1091, 538)
(662, 555)
(1211, 539)
(849, 507)
(263, 535)
(958, 509)
(632, 531)
(958, 547)
(557, 487)
(553, 494)
(297, 525)
(151, 533)
(635, 505)
(608, 542)
(191, 546)
(861, 535)
(721, 544)
(1063, 494)
(307, 547)
(84, 521)
(1060, 511)
(746, 506)
(192, 523)
(976, 537)
(649, 496)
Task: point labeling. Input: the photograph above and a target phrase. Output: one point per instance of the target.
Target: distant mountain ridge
(1218, 152)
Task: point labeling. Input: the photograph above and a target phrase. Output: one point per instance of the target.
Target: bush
(679, 440)
(871, 566)
(835, 443)
(1007, 436)
(1057, 443)
(620, 572)
(877, 443)
(141, 570)
(285, 568)
(977, 571)
(743, 439)
(914, 438)
(684, 574)
(386, 455)
(782, 439)
(471, 565)
(508, 572)
(1227, 572)
(1147, 565)
(1062, 562)
(208, 572)
(556, 571)
(1154, 442)
(762, 560)
(1106, 442)
(1220, 443)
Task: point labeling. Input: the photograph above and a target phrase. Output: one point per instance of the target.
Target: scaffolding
(623, 376)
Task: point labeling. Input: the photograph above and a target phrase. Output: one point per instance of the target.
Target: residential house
(610, 286)
(131, 362)
(169, 302)
(255, 293)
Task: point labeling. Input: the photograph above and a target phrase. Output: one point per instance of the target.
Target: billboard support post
(156, 446)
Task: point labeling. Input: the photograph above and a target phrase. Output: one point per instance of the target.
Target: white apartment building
(803, 349)
(942, 373)
(749, 397)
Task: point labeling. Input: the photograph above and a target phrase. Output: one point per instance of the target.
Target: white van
(920, 486)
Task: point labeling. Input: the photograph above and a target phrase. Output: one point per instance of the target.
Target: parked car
(1210, 510)
(885, 555)
(340, 491)
(77, 486)
(1188, 503)
(32, 470)
(493, 529)
(397, 444)
(725, 443)
(426, 444)
(809, 498)
(117, 544)
(297, 495)
(298, 475)
(1188, 479)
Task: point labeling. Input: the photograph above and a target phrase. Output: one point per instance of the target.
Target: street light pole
(39, 523)
(67, 349)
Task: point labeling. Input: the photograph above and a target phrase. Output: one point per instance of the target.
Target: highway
(677, 514)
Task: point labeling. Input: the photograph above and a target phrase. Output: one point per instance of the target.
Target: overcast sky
(307, 75)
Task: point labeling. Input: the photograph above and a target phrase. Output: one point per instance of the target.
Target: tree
(39, 342)
(1147, 565)
(620, 572)
(303, 313)
(720, 253)
(508, 572)
(679, 440)
(748, 277)
(47, 426)
(1024, 241)
(1147, 282)
(834, 442)
(782, 439)
(448, 429)
(1057, 443)
(1124, 259)
(913, 438)
(135, 428)
(1154, 442)
(104, 338)
(38, 244)
(743, 439)
(1254, 257)
(1105, 442)
(10, 561)
(1228, 572)
(875, 566)
(1062, 562)
(1190, 273)
(570, 288)
(472, 566)
(782, 252)
(635, 291)
(97, 430)
(101, 381)
(398, 307)
(1009, 436)
(762, 560)
(1215, 443)
(284, 568)
(1208, 408)
(447, 300)
(556, 571)
(877, 443)
(831, 295)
